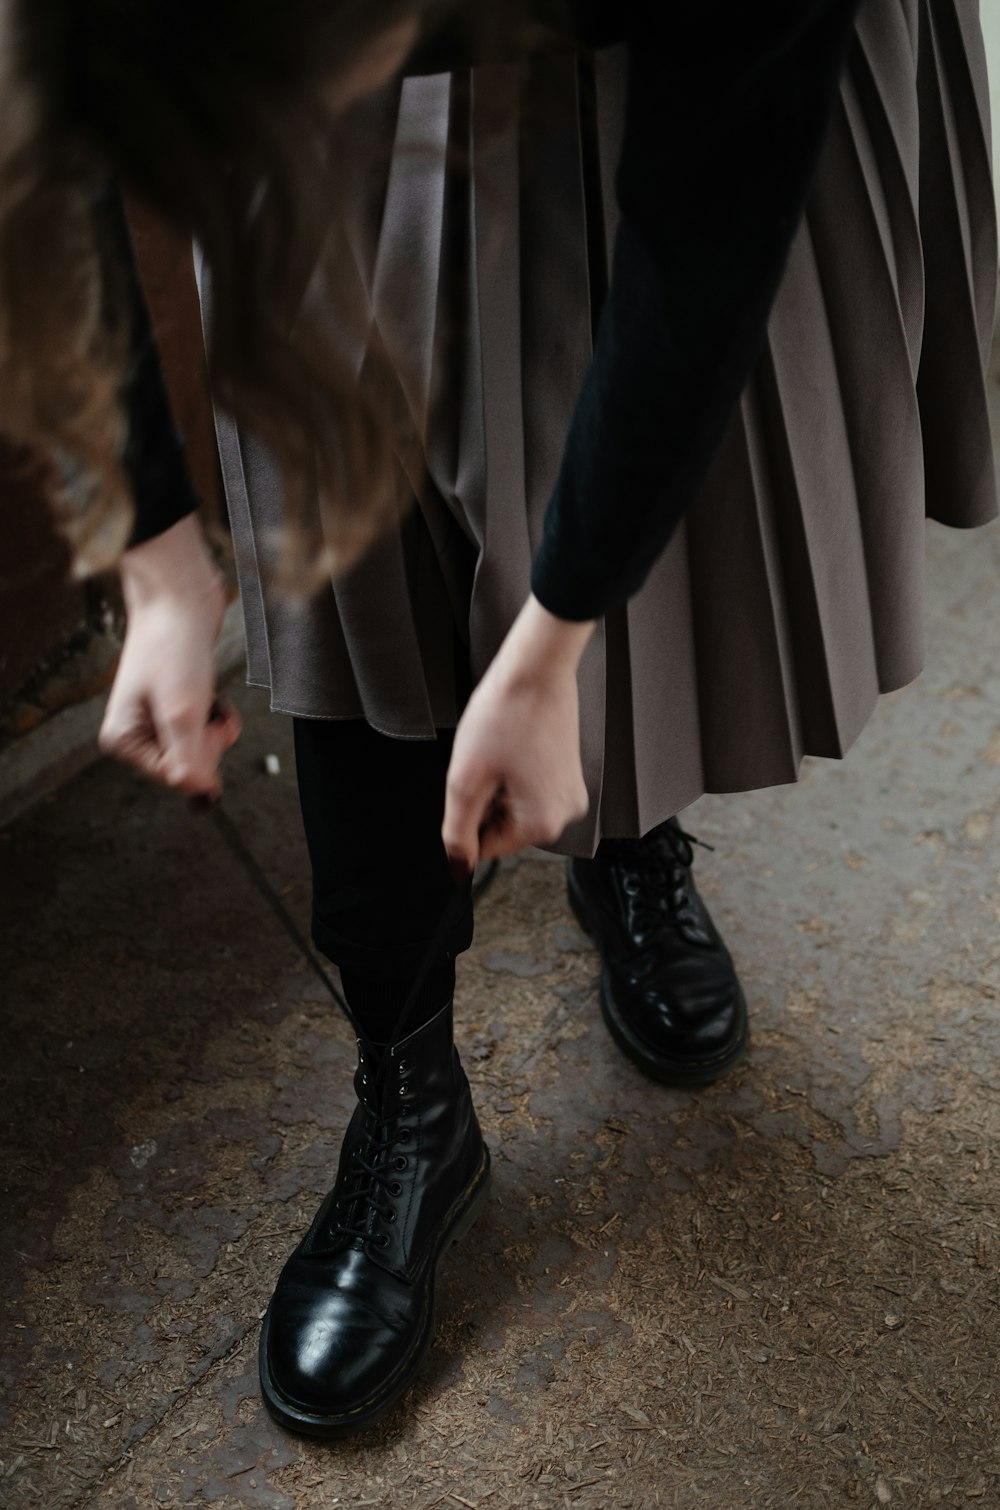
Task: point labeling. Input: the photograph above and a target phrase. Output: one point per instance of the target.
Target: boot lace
(657, 878)
(370, 1185)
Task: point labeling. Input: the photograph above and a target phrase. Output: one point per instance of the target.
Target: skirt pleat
(959, 244)
(791, 596)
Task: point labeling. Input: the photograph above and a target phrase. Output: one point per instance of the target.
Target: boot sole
(367, 1412)
(682, 1073)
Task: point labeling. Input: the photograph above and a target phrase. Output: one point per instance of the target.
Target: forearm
(725, 121)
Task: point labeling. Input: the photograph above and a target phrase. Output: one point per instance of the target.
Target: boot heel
(467, 1219)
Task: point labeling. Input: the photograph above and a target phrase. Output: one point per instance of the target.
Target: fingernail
(203, 802)
(461, 870)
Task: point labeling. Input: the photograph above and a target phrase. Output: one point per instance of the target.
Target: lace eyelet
(404, 1135)
(390, 1216)
(381, 1241)
(404, 1090)
(399, 1162)
(395, 1189)
(403, 1067)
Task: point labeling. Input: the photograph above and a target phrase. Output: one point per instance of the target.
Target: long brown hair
(221, 115)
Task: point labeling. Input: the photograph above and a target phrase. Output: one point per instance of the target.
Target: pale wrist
(175, 564)
(541, 646)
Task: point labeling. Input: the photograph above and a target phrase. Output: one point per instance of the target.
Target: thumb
(468, 801)
(192, 749)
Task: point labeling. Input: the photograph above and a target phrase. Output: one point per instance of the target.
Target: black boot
(352, 1315)
(669, 992)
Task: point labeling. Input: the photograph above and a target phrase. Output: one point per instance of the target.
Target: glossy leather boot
(669, 993)
(352, 1315)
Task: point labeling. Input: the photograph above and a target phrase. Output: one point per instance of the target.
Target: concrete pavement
(780, 1291)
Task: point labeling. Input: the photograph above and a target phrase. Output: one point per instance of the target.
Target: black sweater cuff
(154, 458)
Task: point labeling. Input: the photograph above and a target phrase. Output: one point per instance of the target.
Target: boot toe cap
(696, 1025)
(678, 1035)
(331, 1353)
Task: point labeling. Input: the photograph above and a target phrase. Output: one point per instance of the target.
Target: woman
(723, 126)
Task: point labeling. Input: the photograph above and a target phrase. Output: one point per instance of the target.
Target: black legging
(372, 808)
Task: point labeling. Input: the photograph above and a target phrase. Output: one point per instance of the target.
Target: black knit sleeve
(727, 110)
(154, 455)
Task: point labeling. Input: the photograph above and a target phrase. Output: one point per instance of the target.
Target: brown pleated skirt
(792, 595)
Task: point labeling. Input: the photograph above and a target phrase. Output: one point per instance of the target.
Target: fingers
(515, 778)
(483, 822)
(508, 831)
(232, 723)
(180, 747)
(468, 798)
(192, 754)
(129, 734)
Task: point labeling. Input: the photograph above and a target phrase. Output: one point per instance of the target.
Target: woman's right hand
(162, 717)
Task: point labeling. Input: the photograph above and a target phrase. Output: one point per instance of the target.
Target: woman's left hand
(515, 777)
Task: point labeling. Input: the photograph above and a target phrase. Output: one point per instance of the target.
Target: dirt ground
(778, 1292)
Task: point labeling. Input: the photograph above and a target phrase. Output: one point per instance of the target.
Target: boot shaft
(416, 1125)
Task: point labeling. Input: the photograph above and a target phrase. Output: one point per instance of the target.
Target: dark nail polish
(203, 803)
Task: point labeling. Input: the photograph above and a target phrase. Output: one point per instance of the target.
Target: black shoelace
(371, 1184)
(234, 842)
(657, 877)
(368, 1186)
